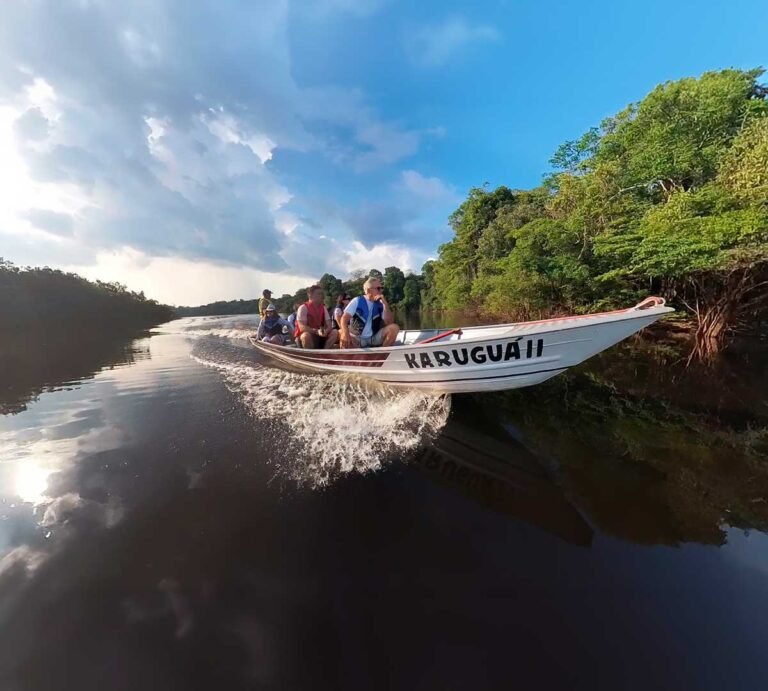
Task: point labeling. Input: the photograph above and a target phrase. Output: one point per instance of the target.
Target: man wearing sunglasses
(368, 321)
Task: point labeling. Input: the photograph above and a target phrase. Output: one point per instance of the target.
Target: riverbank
(43, 303)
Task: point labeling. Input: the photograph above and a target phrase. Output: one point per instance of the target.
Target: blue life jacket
(272, 327)
(360, 317)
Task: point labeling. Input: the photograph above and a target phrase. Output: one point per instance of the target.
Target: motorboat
(476, 358)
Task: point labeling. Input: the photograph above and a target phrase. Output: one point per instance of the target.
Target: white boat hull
(484, 358)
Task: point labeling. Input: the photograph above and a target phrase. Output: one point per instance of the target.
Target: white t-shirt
(337, 312)
(352, 308)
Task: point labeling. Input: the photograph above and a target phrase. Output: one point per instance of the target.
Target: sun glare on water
(31, 481)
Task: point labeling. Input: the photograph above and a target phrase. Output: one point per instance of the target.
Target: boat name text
(514, 350)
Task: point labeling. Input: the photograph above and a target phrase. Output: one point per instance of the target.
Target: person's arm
(328, 320)
(301, 320)
(261, 331)
(344, 339)
(388, 315)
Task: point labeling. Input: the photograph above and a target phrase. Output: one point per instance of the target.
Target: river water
(176, 515)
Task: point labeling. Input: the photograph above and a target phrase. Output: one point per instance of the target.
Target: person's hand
(321, 332)
(344, 339)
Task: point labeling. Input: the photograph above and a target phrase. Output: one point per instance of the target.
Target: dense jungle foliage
(669, 196)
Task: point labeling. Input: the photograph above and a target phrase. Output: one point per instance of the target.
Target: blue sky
(201, 151)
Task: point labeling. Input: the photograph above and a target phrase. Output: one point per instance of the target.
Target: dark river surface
(176, 515)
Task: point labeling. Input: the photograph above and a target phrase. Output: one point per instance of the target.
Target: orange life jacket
(315, 317)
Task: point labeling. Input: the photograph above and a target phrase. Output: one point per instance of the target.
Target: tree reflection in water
(33, 364)
(648, 451)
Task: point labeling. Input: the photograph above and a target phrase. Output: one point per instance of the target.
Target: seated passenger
(368, 320)
(273, 328)
(341, 304)
(292, 318)
(314, 328)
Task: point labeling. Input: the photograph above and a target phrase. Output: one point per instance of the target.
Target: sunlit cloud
(136, 148)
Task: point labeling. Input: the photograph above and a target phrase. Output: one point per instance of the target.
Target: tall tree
(354, 285)
(332, 287)
(428, 298)
(744, 170)
(393, 283)
(412, 292)
(675, 137)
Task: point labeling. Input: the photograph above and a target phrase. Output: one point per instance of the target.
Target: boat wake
(237, 327)
(332, 425)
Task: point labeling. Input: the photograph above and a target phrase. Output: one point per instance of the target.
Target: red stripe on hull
(363, 357)
(339, 358)
(369, 363)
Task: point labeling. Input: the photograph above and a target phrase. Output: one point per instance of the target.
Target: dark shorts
(317, 341)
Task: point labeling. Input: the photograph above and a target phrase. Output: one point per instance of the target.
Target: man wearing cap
(273, 328)
(265, 300)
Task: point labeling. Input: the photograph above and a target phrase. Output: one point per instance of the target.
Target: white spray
(336, 424)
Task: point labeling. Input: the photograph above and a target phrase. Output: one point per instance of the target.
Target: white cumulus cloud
(151, 130)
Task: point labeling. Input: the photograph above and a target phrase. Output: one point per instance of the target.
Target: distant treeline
(669, 196)
(403, 289)
(219, 307)
(53, 302)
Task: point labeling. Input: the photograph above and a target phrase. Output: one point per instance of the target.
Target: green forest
(55, 303)
(669, 196)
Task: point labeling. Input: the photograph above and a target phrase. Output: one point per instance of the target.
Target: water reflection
(65, 440)
(647, 468)
(146, 544)
(29, 366)
(501, 474)
(31, 481)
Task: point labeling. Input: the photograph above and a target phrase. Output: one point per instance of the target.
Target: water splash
(237, 327)
(335, 424)
(236, 333)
